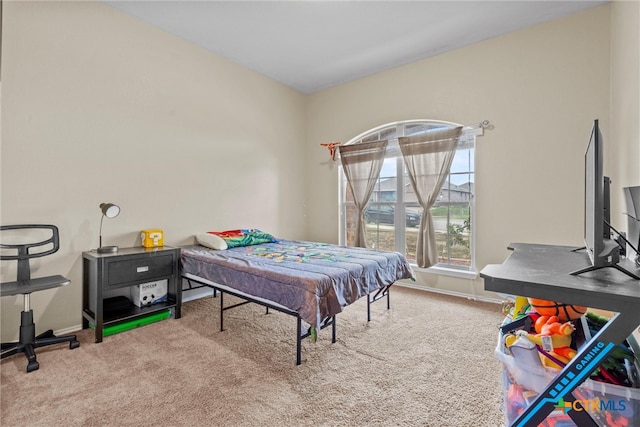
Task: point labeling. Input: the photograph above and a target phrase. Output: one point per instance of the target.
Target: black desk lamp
(110, 211)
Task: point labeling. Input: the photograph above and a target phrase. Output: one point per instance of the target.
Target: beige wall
(97, 106)
(541, 87)
(625, 103)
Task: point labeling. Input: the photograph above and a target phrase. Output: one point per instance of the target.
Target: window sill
(451, 272)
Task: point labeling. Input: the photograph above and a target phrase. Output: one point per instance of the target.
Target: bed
(308, 280)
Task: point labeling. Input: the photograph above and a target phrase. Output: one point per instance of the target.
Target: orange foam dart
(333, 148)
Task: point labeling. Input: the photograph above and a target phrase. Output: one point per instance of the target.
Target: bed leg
(333, 330)
(299, 342)
(368, 308)
(388, 300)
(221, 311)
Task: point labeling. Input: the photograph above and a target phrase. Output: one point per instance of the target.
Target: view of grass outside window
(393, 214)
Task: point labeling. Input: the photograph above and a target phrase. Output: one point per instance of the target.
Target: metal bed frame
(300, 334)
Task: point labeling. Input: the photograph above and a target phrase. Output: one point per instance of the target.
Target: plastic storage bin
(609, 405)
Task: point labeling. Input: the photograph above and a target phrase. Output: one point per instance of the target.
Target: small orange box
(152, 238)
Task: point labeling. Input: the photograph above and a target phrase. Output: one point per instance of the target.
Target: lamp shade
(109, 210)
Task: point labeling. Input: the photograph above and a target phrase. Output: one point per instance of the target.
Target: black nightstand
(113, 274)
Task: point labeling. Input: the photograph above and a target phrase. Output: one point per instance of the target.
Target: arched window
(393, 214)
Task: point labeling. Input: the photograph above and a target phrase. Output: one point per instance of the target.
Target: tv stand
(598, 267)
(594, 268)
(542, 271)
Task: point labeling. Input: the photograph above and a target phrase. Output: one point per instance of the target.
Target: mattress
(315, 280)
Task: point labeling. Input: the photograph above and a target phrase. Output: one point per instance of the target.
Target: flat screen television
(632, 199)
(603, 251)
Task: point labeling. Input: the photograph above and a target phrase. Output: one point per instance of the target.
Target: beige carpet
(426, 362)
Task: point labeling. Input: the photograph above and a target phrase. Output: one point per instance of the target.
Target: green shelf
(135, 323)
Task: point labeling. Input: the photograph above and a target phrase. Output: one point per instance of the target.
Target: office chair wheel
(74, 344)
(33, 365)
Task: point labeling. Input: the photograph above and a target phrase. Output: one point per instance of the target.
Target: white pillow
(211, 241)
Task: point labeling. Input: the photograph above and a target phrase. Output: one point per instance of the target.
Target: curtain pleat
(362, 163)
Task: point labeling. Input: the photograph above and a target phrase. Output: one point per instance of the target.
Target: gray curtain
(362, 163)
(428, 159)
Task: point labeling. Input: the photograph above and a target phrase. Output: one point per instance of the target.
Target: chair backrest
(23, 252)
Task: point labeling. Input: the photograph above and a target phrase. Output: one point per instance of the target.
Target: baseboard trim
(450, 293)
(69, 330)
(192, 294)
(197, 293)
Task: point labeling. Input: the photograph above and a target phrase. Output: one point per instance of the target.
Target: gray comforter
(315, 280)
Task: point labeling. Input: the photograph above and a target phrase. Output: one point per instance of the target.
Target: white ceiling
(313, 45)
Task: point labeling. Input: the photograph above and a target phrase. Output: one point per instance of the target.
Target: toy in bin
(152, 238)
(539, 337)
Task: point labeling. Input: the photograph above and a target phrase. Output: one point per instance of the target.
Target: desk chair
(25, 285)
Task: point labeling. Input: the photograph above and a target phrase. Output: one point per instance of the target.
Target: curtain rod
(475, 129)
